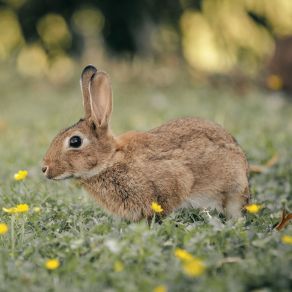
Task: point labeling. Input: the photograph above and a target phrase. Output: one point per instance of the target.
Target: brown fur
(187, 162)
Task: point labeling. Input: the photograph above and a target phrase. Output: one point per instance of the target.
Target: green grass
(240, 256)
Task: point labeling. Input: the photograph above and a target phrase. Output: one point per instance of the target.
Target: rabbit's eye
(75, 142)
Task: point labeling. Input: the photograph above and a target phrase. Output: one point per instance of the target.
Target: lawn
(100, 253)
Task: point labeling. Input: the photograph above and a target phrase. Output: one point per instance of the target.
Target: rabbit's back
(183, 132)
(185, 140)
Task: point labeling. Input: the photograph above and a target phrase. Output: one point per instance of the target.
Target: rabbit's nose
(44, 169)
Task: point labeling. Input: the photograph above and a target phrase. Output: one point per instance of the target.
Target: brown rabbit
(187, 162)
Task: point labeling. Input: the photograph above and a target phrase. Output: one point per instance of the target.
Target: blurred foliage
(215, 36)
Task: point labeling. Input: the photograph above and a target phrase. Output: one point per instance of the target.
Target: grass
(101, 253)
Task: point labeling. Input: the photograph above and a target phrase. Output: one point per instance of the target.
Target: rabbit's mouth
(54, 174)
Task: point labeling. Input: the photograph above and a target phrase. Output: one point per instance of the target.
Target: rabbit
(185, 163)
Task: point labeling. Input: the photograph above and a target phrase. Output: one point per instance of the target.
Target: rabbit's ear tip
(89, 69)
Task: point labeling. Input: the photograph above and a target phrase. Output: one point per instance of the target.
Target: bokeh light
(223, 35)
(199, 45)
(88, 21)
(10, 33)
(54, 31)
(32, 61)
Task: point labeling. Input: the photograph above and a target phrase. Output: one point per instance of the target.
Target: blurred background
(244, 39)
(225, 60)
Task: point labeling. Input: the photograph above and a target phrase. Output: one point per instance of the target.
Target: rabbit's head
(85, 148)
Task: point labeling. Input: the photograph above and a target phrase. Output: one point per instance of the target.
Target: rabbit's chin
(91, 172)
(62, 176)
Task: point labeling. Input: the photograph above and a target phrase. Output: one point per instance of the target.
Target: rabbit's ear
(101, 99)
(86, 76)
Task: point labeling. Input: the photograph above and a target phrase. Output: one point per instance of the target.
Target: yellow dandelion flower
(274, 82)
(156, 207)
(287, 239)
(21, 175)
(118, 266)
(160, 288)
(3, 228)
(183, 255)
(194, 268)
(52, 264)
(21, 208)
(253, 208)
(37, 209)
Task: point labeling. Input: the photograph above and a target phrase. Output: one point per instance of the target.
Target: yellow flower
(21, 175)
(274, 82)
(194, 268)
(156, 207)
(52, 264)
(3, 228)
(160, 288)
(287, 239)
(253, 208)
(183, 255)
(21, 208)
(36, 209)
(118, 266)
